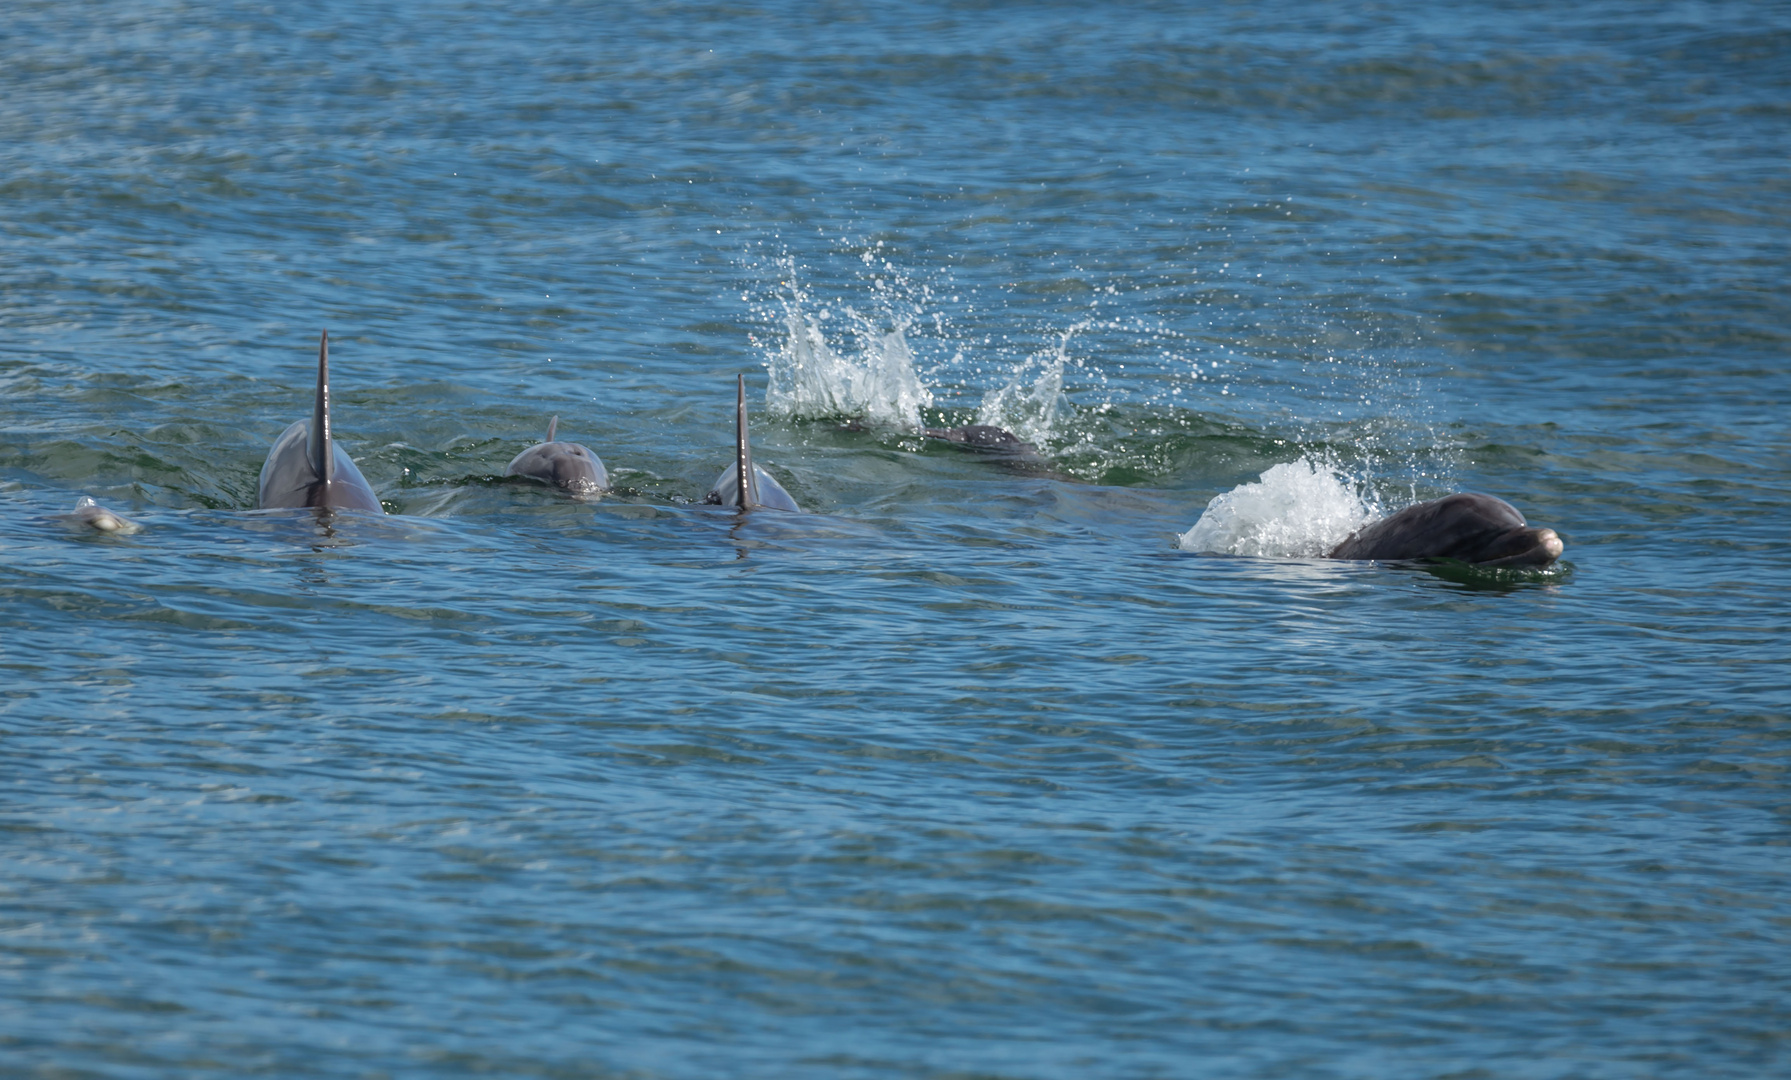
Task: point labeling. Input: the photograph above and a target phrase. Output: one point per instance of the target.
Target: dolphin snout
(1549, 544)
(1527, 547)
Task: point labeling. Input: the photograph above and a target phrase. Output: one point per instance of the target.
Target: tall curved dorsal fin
(551, 425)
(746, 486)
(323, 461)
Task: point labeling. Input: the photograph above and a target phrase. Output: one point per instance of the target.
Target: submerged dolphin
(744, 484)
(982, 438)
(306, 467)
(1473, 528)
(91, 514)
(985, 438)
(567, 465)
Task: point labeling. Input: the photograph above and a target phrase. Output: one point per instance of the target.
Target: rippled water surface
(971, 770)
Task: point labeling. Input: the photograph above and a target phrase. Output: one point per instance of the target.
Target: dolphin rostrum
(1473, 528)
(744, 484)
(567, 465)
(305, 467)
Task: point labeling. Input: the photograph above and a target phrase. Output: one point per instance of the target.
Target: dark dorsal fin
(551, 425)
(323, 461)
(747, 485)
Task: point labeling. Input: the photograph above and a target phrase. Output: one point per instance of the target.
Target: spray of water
(1301, 509)
(1115, 396)
(873, 379)
(1032, 402)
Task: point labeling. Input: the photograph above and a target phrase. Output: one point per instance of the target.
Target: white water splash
(876, 381)
(1299, 510)
(1031, 404)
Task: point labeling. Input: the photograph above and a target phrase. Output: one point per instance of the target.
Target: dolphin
(744, 484)
(91, 514)
(985, 438)
(1476, 529)
(567, 465)
(982, 438)
(305, 467)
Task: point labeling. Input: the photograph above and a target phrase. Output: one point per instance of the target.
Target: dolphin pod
(306, 468)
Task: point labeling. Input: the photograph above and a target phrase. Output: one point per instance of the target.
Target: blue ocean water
(979, 768)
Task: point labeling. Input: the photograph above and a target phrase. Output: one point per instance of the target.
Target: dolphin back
(305, 467)
(986, 438)
(289, 479)
(743, 484)
(91, 514)
(771, 494)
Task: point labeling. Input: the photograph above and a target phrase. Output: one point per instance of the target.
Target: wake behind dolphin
(1304, 509)
(743, 484)
(305, 467)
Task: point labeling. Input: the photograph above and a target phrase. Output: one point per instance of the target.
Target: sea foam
(1299, 510)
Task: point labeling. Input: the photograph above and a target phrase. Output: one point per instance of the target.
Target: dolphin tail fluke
(551, 426)
(323, 460)
(747, 485)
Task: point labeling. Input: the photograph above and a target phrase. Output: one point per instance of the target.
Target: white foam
(1298, 510)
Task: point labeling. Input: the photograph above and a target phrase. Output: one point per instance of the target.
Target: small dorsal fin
(323, 461)
(747, 485)
(551, 425)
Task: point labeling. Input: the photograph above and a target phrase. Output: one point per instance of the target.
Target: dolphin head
(568, 466)
(1489, 531)
(1473, 528)
(91, 514)
(1522, 546)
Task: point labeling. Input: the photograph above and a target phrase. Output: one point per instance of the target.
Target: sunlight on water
(1298, 510)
